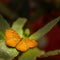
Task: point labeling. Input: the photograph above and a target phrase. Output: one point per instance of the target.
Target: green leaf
(3, 26)
(31, 54)
(2, 36)
(52, 53)
(18, 25)
(7, 53)
(27, 32)
(41, 32)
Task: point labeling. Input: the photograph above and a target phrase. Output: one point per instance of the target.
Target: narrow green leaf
(3, 26)
(7, 53)
(18, 25)
(31, 54)
(52, 53)
(41, 32)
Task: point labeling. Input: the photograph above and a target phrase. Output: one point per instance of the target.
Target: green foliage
(31, 54)
(27, 32)
(18, 25)
(3, 26)
(41, 32)
(2, 36)
(7, 53)
(52, 53)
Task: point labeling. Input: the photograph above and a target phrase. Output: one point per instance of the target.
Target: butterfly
(22, 44)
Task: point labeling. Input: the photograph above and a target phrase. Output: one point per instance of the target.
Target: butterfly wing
(22, 46)
(25, 44)
(31, 42)
(12, 38)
